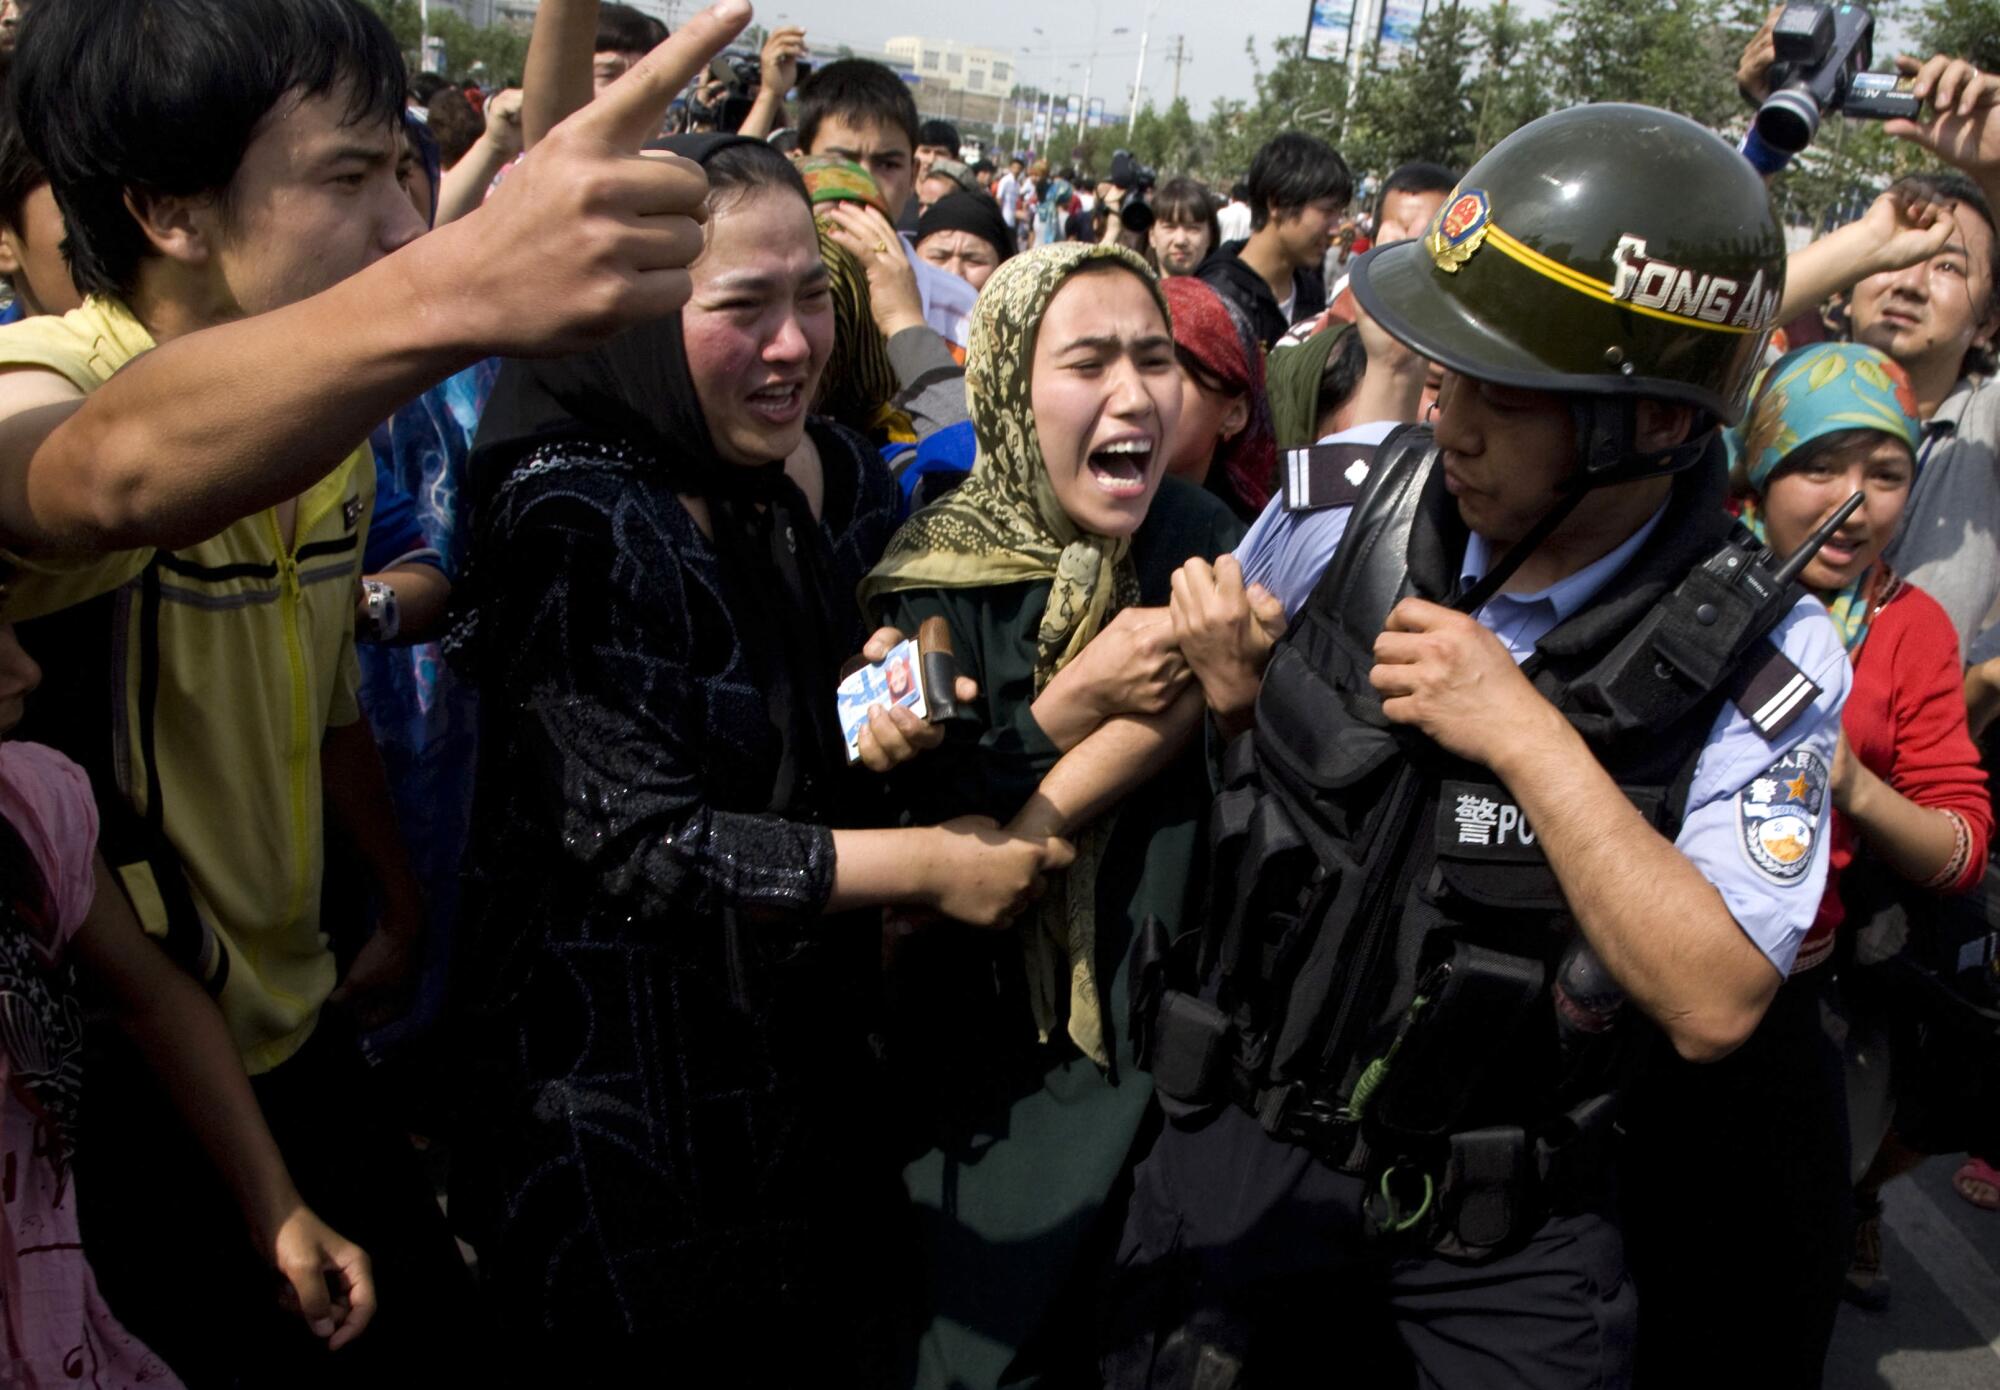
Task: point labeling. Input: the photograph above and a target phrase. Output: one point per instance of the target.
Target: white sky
(1214, 34)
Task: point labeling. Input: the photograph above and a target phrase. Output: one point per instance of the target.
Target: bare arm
(181, 1034)
(1393, 384)
(466, 182)
(422, 596)
(1102, 770)
(1895, 232)
(584, 239)
(967, 869)
(1662, 929)
(556, 77)
(1917, 842)
(780, 72)
(1133, 666)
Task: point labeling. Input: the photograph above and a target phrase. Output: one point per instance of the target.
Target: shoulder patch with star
(1777, 816)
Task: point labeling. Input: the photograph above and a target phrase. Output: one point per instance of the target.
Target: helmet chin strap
(1606, 455)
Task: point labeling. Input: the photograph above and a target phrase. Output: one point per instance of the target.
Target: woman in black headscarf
(672, 1140)
(965, 234)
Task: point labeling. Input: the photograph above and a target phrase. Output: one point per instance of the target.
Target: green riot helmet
(1611, 251)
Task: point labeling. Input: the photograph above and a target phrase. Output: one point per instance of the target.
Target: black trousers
(174, 1260)
(1738, 1206)
(1244, 1262)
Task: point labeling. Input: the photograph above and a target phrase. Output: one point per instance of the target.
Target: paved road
(1942, 1327)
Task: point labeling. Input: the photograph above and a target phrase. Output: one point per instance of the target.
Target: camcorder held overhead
(1821, 66)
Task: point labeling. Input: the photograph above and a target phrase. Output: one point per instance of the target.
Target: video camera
(1823, 52)
(738, 75)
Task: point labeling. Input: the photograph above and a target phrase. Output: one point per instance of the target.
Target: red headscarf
(1217, 336)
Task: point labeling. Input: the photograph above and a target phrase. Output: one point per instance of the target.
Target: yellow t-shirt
(228, 661)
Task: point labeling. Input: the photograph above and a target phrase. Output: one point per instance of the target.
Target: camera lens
(1788, 119)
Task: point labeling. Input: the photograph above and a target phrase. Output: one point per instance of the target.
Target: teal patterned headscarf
(1823, 389)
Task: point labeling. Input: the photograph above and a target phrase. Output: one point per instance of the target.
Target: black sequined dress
(672, 1130)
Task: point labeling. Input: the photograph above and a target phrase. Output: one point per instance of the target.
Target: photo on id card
(893, 681)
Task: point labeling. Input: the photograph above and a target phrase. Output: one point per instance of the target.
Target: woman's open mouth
(1120, 467)
(780, 404)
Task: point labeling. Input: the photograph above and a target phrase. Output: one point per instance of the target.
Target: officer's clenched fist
(1439, 671)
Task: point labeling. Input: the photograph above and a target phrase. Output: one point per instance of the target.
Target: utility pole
(1180, 57)
(1132, 121)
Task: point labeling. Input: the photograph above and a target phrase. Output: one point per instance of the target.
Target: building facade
(962, 67)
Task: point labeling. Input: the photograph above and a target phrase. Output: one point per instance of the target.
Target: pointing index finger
(629, 112)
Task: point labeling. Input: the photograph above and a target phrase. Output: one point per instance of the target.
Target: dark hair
(453, 124)
(1950, 186)
(426, 85)
(162, 97)
(1418, 176)
(940, 133)
(740, 168)
(1239, 192)
(1344, 368)
(1188, 200)
(860, 92)
(1292, 170)
(983, 166)
(20, 172)
(622, 29)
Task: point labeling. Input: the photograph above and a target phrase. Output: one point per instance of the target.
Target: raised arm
(586, 238)
(1898, 230)
(556, 76)
(466, 182)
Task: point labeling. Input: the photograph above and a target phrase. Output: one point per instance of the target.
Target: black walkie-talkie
(1686, 646)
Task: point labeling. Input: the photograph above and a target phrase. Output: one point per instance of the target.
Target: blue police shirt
(1757, 810)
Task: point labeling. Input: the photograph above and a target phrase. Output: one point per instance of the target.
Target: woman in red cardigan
(1908, 789)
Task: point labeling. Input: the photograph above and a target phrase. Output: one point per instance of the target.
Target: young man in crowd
(1007, 193)
(624, 36)
(1384, 1134)
(235, 281)
(1938, 318)
(1298, 188)
(935, 140)
(863, 112)
(1409, 199)
(1234, 216)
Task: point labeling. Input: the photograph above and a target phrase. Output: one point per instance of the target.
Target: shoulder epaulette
(1771, 691)
(1325, 475)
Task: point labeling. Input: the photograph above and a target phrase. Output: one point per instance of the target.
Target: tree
(1419, 108)
(1962, 28)
(498, 50)
(1512, 88)
(1676, 54)
(1169, 141)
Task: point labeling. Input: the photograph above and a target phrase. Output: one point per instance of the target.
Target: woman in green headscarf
(1052, 565)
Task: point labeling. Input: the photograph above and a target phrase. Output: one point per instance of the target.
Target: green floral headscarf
(1822, 389)
(1005, 526)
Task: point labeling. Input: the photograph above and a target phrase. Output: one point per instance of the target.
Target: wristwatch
(380, 619)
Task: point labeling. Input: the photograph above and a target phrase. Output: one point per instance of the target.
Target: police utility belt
(1374, 977)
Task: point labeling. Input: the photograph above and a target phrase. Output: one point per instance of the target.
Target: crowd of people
(1442, 836)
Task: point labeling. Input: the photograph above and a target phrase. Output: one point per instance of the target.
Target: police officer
(1537, 775)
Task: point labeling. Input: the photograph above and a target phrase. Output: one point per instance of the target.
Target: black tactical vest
(1374, 975)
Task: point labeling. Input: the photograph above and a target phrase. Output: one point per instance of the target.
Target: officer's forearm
(1662, 929)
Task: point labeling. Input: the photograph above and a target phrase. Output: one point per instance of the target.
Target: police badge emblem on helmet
(1458, 230)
